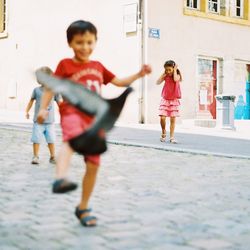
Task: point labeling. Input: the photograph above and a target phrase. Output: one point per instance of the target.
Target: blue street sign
(154, 33)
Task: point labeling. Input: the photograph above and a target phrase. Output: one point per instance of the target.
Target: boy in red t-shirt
(82, 37)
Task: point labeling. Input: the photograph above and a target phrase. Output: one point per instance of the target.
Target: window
(229, 11)
(237, 7)
(214, 6)
(194, 4)
(2, 18)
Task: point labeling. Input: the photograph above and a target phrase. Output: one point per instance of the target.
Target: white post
(144, 59)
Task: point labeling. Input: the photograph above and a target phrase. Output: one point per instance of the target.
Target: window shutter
(233, 7)
(224, 7)
(2, 16)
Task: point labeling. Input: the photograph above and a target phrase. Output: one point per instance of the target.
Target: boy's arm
(28, 108)
(58, 99)
(43, 112)
(124, 82)
(161, 79)
(59, 102)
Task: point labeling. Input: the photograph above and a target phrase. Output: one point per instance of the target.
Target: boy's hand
(145, 70)
(27, 116)
(42, 115)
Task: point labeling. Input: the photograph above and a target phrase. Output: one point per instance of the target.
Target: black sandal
(63, 186)
(84, 221)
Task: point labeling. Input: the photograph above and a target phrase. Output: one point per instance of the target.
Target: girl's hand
(27, 116)
(42, 115)
(145, 70)
(175, 67)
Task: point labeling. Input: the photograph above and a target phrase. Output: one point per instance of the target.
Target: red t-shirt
(171, 89)
(91, 75)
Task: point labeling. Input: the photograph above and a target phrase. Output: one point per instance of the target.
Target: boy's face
(83, 46)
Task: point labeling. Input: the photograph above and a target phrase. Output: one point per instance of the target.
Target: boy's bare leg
(36, 149)
(63, 161)
(172, 127)
(51, 147)
(88, 184)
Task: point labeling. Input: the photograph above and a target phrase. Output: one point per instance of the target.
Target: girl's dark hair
(80, 27)
(172, 63)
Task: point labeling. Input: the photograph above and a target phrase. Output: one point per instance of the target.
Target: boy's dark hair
(80, 27)
(172, 63)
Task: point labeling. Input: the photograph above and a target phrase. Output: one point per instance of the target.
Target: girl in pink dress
(170, 96)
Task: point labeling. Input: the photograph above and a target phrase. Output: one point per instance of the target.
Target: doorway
(207, 87)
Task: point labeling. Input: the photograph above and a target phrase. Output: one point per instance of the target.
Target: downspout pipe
(144, 60)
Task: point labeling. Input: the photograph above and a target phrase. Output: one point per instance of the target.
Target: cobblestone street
(145, 199)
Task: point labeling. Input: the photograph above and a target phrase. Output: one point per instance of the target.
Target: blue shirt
(37, 95)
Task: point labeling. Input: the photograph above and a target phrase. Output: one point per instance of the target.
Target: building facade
(208, 39)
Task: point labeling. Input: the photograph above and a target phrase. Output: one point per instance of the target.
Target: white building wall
(183, 39)
(37, 36)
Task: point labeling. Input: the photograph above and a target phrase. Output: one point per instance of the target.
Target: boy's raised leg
(62, 185)
(63, 161)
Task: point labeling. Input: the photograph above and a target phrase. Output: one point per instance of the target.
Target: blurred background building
(208, 39)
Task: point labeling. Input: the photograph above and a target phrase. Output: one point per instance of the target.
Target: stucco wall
(37, 36)
(183, 39)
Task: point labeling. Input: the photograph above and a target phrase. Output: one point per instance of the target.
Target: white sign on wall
(203, 97)
(130, 18)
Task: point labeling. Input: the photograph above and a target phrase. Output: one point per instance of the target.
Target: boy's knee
(92, 168)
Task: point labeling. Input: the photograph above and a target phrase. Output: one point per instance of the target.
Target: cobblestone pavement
(144, 199)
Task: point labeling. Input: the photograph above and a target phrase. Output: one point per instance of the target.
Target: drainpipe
(143, 9)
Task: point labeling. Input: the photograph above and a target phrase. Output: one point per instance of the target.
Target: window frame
(4, 33)
(192, 8)
(218, 7)
(233, 9)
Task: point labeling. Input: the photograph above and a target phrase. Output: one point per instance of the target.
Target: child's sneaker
(52, 160)
(35, 160)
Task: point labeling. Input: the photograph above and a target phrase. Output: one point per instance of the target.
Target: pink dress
(170, 103)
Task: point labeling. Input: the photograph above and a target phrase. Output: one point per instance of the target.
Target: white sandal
(163, 137)
(173, 141)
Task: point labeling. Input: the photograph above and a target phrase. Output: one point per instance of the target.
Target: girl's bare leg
(163, 127)
(172, 127)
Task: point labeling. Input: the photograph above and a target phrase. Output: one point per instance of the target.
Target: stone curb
(178, 150)
(143, 145)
